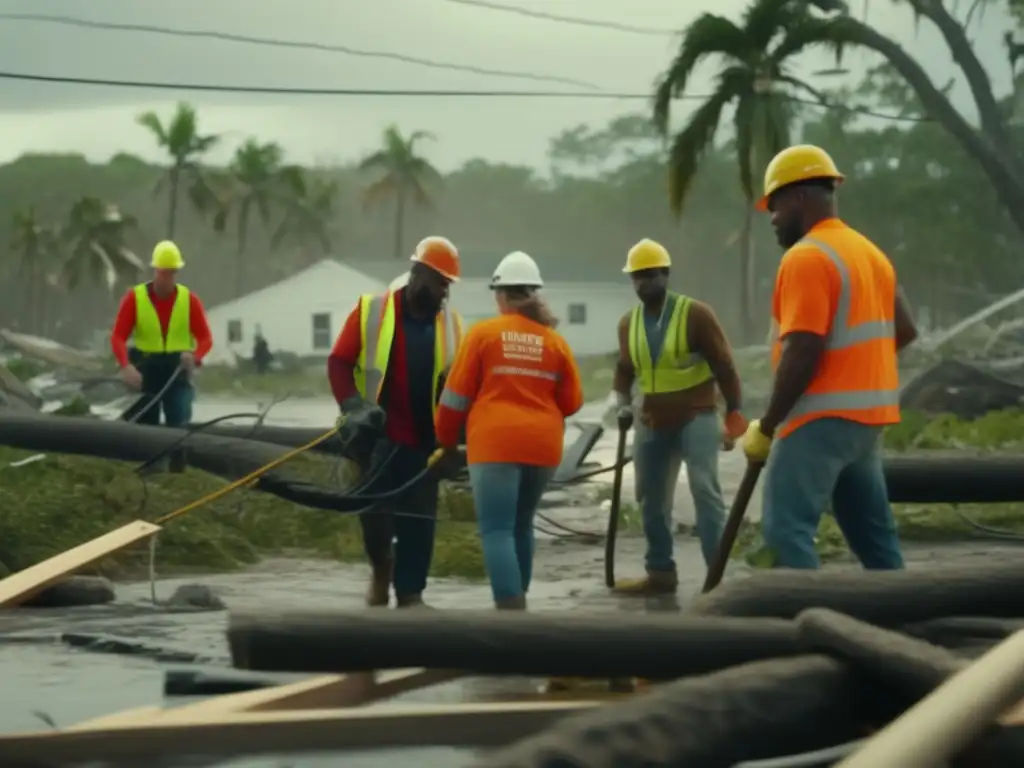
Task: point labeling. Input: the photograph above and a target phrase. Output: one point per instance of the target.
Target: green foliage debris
(61, 501)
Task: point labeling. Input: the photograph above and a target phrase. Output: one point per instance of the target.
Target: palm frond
(708, 35)
(379, 191)
(806, 33)
(744, 124)
(151, 122)
(696, 139)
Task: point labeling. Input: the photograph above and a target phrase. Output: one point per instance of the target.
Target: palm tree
(309, 203)
(38, 247)
(181, 140)
(755, 77)
(254, 183)
(399, 172)
(96, 234)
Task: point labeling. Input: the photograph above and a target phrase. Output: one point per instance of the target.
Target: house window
(577, 314)
(234, 331)
(322, 330)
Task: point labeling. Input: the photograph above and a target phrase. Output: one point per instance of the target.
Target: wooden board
(24, 584)
(321, 692)
(256, 733)
(119, 719)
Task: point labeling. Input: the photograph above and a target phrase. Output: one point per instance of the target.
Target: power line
(578, 21)
(436, 93)
(293, 44)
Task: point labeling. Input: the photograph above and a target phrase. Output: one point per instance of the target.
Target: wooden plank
(118, 719)
(22, 585)
(1015, 715)
(259, 733)
(321, 692)
(940, 725)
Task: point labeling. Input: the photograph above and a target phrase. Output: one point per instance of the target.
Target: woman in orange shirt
(513, 384)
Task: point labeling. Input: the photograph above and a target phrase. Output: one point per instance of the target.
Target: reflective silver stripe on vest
(510, 370)
(454, 400)
(449, 338)
(374, 322)
(374, 318)
(842, 336)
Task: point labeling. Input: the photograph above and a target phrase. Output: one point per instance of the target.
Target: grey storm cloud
(473, 48)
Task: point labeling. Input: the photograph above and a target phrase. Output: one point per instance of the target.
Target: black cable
(435, 93)
(193, 429)
(232, 37)
(575, 20)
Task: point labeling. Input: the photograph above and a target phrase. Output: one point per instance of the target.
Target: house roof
(383, 271)
(326, 272)
(478, 266)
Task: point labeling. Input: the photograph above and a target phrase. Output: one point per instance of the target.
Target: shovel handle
(732, 526)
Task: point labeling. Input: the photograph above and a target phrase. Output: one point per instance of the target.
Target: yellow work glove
(755, 443)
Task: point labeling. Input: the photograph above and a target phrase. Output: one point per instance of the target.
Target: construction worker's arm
(200, 328)
(906, 328)
(806, 291)
(460, 390)
(569, 388)
(707, 339)
(124, 325)
(341, 363)
(625, 373)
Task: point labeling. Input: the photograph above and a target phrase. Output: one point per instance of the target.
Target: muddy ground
(70, 685)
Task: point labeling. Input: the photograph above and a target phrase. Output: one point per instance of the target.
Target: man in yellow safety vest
(675, 349)
(387, 373)
(171, 337)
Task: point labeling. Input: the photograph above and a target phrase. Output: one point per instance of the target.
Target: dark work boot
(378, 593)
(517, 603)
(654, 583)
(410, 601)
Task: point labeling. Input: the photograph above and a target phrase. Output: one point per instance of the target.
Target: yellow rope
(251, 477)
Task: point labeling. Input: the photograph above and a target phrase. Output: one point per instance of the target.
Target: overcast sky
(99, 121)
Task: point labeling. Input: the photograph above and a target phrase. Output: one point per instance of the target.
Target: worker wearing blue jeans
(503, 492)
(660, 456)
(829, 462)
(674, 351)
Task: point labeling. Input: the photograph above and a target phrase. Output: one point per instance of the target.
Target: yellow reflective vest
(377, 334)
(149, 336)
(676, 367)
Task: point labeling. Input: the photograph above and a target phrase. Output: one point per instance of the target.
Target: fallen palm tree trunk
(119, 440)
(491, 643)
(886, 598)
(752, 711)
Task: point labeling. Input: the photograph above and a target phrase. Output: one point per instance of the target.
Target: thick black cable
(425, 93)
(232, 37)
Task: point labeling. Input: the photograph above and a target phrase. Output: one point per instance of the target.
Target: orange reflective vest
(858, 377)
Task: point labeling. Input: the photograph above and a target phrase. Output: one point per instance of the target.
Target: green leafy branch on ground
(57, 503)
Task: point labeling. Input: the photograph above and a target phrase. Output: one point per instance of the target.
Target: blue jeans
(176, 404)
(506, 498)
(659, 458)
(829, 461)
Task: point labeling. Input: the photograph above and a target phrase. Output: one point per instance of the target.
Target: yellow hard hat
(167, 256)
(647, 254)
(798, 163)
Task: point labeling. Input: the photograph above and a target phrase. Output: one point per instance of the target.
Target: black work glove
(447, 463)
(362, 414)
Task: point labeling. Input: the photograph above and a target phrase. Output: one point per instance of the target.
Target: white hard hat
(399, 282)
(517, 269)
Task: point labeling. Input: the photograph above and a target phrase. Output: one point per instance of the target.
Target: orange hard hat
(439, 254)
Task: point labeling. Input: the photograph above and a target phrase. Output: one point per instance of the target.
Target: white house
(303, 313)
